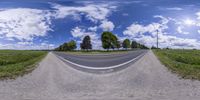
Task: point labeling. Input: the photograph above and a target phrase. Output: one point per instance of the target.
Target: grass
(185, 63)
(15, 63)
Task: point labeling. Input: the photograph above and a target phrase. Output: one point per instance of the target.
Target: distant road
(98, 60)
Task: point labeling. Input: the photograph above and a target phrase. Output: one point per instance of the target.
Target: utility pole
(48, 47)
(157, 38)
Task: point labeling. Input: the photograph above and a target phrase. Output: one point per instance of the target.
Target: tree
(153, 47)
(67, 46)
(126, 44)
(72, 45)
(109, 40)
(134, 44)
(118, 45)
(86, 43)
(59, 48)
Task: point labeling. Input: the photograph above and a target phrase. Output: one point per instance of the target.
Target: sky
(43, 24)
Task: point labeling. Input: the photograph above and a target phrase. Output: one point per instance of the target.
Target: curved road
(98, 60)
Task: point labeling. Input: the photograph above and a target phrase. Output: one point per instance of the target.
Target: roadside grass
(15, 63)
(186, 63)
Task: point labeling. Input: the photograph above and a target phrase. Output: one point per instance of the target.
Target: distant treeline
(109, 41)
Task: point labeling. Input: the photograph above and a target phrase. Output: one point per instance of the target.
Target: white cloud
(24, 23)
(80, 33)
(107, 26)
(198, 15)
(138, 29)
(137, 32)
(26, 46)
(125, 14)
(77, 32)
(93, 12)
(180, 30)
(174, 8)
(25, 43)
(168, 41)
(94, 29)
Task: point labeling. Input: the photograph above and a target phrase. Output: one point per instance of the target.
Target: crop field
(185, 63)
(14, 63)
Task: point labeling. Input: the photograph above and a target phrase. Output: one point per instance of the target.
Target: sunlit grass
(185, 63)
(14, 63)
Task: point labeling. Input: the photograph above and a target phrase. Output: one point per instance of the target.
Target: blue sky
(45, 24)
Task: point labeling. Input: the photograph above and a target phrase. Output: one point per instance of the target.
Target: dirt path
(147, 79)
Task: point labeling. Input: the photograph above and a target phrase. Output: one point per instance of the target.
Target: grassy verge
(185, 63)
(15, 63)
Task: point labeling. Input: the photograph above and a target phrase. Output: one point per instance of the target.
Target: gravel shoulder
(146, 79)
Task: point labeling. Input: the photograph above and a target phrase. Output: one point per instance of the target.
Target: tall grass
(185, 63)
(14, 63)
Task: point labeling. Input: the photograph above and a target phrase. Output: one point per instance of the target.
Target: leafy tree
(142, 46)
(134, 44)
(72, 45)
(86, 43)
(118, 45)
(59, 48)
(109, 40)
(153, 47)
(67, 46)
(126, 44)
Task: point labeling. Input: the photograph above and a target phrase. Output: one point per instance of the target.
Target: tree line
(109, 41)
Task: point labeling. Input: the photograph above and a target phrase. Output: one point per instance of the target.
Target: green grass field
(185, 63)
(15, 63)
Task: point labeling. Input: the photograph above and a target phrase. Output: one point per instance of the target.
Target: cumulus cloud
(107, 26)
(80, 33)
(198, 15)
(174, 8)
(180, 30)
(138, 29)
(25, 43)
(94, 29)
(26, 46)
(24, 23)
(93, 12)
(27, 23)
(138, 33)
(125, 14)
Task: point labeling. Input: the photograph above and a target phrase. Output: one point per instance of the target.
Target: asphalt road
(98, 60)
(146, 79)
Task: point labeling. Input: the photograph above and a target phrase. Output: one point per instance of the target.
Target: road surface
(146, 79)
(101, 63)
(104, 60)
